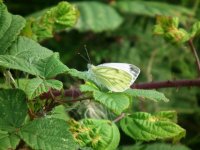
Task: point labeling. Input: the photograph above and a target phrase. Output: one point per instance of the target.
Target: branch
(151, 85)
(167, 84)
(190, 42)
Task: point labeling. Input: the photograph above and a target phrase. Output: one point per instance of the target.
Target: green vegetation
(48, 99)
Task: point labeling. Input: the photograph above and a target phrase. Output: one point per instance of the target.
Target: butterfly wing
(116, 77)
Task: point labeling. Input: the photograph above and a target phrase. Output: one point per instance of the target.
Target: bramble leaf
(48, 133)
(48, 21)
(10, 27)
(98, 134)
(36, 86)
(147, 127)
(13, 109)
(8, 141)
(97, 17)
(147, 94)
(116, 102)
(28, 56)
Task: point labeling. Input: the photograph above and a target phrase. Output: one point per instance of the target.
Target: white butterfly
(116, 77)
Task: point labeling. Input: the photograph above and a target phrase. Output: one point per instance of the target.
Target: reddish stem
(167, 84)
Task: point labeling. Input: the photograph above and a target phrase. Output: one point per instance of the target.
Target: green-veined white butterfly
(116, 77)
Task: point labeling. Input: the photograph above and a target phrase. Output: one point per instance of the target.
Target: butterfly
(116, 77)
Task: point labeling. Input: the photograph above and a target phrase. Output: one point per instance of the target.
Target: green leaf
(147, 127)
(168, 28)
(79, 74)
(28, 49)
(98, 134)
(36, 86)
(116, 102)
(10, 27)
(97, 17)
(48, 21)
(8, 141)
(171, 115)
(195, 29)
(59, 112)
(147, 94)
(152, 8)
(13, 109)
(28, 56)
(49, 133)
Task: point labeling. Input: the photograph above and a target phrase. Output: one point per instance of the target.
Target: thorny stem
(149, 85)
(167, 84)
(193, 49)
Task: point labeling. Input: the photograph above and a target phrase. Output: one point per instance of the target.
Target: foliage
(35, 106)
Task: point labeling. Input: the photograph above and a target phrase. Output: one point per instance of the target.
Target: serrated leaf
(97, 17)
(42, 25)
(147, 94)
(48, 134)
(8, 141)
(147, 127)
(36, 86)
(59, 112)
(106, 134)
(116, 102)
(28, 49)
(171, 115)
(97, 134)
(13, 109)
(164, 146)
(28, 56)
(10, 27)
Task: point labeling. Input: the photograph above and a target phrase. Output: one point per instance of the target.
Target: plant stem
(119, 117)
(193, 49)
(167, 84)
(148, 85)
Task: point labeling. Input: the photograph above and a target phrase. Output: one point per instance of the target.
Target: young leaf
(13, 109)
(98, 134)
(48, 133)
(36, 86)
(116, 102)
(48, 21)
(195, 29)
(10, 27)
(97, 17)
(8, 141)
(147, 94)
(147, 127)
(168, 28)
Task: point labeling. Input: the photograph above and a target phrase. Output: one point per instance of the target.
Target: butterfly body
(116, 77)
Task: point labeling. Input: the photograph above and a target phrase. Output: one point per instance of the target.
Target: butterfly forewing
(113, 77)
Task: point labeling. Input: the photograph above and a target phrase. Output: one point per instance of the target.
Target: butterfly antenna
(83, 57)
(87, 54)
